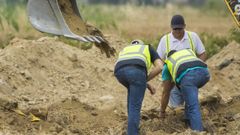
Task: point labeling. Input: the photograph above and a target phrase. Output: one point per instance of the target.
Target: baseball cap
(177, 22)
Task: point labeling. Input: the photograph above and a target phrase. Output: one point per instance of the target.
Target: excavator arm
(62, 17)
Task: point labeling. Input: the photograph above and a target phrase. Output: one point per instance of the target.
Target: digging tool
(62, 17)
(46, 16)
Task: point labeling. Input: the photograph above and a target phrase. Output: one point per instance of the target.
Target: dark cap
(177, 21)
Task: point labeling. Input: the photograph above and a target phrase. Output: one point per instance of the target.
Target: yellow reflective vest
(180, 57)
(140, 52)
(192, 45)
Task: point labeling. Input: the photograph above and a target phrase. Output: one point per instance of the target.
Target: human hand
(151, 89)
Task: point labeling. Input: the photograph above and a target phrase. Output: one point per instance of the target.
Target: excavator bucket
(59, 17)
(62, 17)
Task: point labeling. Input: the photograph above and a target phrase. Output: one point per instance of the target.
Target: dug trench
(74, 117)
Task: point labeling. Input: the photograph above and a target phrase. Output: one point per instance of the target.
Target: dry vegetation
(14, 23)
(129, 22)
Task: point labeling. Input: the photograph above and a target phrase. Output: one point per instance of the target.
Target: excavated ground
(74, 92)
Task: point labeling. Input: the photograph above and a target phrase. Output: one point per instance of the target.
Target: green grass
(215, 7)
(14, 23)
(102, 16)
(213, 44)
(75, 43)
(235, 35)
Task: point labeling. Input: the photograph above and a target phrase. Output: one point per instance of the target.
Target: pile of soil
(74, 91)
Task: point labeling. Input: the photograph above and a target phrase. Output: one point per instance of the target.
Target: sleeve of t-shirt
(161, 48)
(198, 43)
(153, 54)
(166, 74)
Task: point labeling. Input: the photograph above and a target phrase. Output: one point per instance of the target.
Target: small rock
(25, 98)
(58, 128)
(226, 99)
(42, 39)
(87, 84)
(94, 114)
(224, 64)
(12, 120)
(26, 74)
(111, 69)
(229, 116)
(74, 130)
(106, 98)
(222, 129)
(231, 77)
(73, 58)
(205, 112)
(236, 116)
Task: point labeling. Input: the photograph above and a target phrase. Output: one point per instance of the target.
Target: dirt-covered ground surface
(74, 92)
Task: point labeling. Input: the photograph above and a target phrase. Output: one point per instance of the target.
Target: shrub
(235, 34)
(213, 44)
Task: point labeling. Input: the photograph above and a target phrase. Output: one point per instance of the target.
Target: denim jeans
(189, 85)
(134, 79)
(176, 98)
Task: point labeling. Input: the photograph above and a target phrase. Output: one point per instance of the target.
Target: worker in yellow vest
(178, 39)
(132, 70)
(188, 73)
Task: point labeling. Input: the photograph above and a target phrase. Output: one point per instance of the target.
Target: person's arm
(167, 86)
(200, 49)
(161, 50)
(202, 56)
(158, 65)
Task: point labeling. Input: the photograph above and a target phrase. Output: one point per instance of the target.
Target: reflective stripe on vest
(192, 45)
(175, 60)
(140, 52)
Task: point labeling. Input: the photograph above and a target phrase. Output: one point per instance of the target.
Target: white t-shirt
(176, 44)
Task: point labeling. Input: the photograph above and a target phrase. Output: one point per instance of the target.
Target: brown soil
(74, 92)
(76, 24)
(81, 28)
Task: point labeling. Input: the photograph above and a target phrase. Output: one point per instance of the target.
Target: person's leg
(176, 98)
(135, 104)
(192, 108)
(137, 89)
(122, 78)
(189, 88)
(135, 81)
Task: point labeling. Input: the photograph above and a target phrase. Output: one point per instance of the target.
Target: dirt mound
(40, 76)
(74, 91)
(225, 67)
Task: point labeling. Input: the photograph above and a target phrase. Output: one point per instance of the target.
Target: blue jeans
(134, 79)
(189, 85)
(176, 98)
